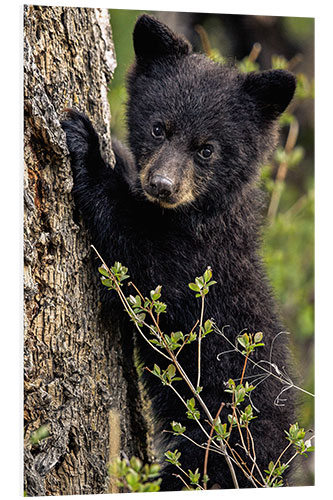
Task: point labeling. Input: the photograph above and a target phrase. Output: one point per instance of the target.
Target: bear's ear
(272, 90)
(153, 39)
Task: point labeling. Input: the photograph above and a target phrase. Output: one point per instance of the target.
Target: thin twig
(278, 460)
(254, 460)
(199, 338)
(187, 339)
(184, 402)
(187, 475)
(239, 463)
(255, 51)
(128, 309)
(209, 441)
(182, 479)
(204, 39)
(137, 290)
(218, 451)
(269, 372)
(243, 372)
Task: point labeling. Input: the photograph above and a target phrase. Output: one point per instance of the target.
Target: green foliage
(246, 416)
(134, 476)
(221, 431)
(202, 283)
(279, 62)
(304, 88)
(167, 376)
(275, 472)
(118, 272)
(300, 29)
(288, 251)
(247, 65)
(292, 158)
(239, 392)
(250, 342)
(296, 437)
(194, 476)
(290, 264)
(122, 22)
(192, 413)
(173, 457)
(177, 428)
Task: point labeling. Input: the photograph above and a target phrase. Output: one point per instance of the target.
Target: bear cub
(182, 197)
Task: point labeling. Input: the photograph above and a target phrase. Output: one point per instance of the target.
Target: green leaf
(132, 479)
(178, 428)
(258, 337)
(270, 467)
(208, 274)
(136, 464)
(173, 457)
(242, 341)
(156, 294)
(194, 476)
(160, 307)
(296, 156)
(208, 327)
(280, 155)
(199, 282)
(211, 283)
(279, 62)
(192, 413)
(107, 282)
(286, 119)
(103, 271)
(176, 336)
(231, 384)
(191, 404)
(157, 370)
(232, 420)
(154, 470)
(171, 371)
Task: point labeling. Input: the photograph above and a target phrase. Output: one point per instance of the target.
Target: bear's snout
(160, 186)
(167, 178)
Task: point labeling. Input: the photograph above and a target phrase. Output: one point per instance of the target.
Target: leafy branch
(140, 309)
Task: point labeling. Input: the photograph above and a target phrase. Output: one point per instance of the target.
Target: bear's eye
(206, 151)
(157, 131)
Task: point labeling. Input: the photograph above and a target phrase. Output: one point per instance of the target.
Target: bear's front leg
(96, 185)
(83, 143)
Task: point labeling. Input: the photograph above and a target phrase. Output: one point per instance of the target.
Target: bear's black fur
(185, 197)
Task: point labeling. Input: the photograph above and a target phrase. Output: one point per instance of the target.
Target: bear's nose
(161, 186)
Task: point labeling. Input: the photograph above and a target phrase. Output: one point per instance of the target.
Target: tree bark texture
(76, 384)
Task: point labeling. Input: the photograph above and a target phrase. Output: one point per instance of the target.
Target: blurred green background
(262, 42)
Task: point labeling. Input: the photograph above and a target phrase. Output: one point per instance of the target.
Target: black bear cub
(181, 198)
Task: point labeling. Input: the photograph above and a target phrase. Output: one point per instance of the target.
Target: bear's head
(198, 129)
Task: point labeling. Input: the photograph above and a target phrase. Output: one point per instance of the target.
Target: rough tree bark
(75, 382)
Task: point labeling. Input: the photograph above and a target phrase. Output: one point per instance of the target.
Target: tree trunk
(79, 395)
